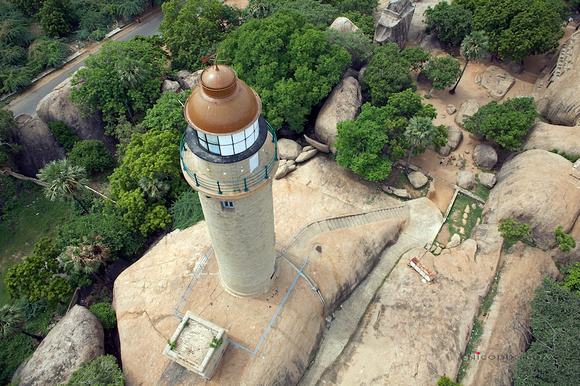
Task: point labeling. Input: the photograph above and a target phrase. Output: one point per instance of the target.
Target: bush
(565, 242)
(186, 210)
(92, 155)
(67, 137)
(102, 371)
(105, 314)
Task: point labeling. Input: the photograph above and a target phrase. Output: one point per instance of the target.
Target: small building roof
(221, 103)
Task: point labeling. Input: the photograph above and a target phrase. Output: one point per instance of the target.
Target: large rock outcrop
(394, 22)
(56, 106)
(556, 90)
(496, 81)
(39, 146)
(466, 110)
(539, 188)
(343, 104)
(77, 338)
(344, 25)
(548, 137)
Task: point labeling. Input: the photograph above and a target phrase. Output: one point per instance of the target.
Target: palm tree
(88, 257)
(132, 73)
(12, 322)
(420, 132)
(473, 47)
(65, 181)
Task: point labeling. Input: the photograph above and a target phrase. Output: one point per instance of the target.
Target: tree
(65, 181)
(56, 18)
(572, 278)
(370, 144)
(507, 124)
(513, 231)
(451, 21)
(473, 47)
(102, 371)
(186, 210)
(87, 257)
(552, 357)
(443, 71)
(387, 73)
(518, 28)
(63, 134)
(565, 242)
(8, 144)
(37, 277)
(416, 57)
(12, 322)
(91, 155)
(419, 133)
(193, 28)
(122, 80)
(290, 64)
(45, 53)
(105, 314)
(358, 45)
(167, 113)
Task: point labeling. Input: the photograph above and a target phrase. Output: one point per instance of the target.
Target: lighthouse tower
(229, 154)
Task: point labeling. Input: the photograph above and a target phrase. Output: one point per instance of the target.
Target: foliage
(152, 162)
(65, 181)
(191, 29)
(473, 47)
(167, 113)
(36, 277)
(420, 132)
(289, 63)
(87, 257)
(107, 224)
(91, 155)
(13, 352)
(443, 71)
(513, 231)
(216, 343)
(67, 137)
(451, 21)
(387, 73)
(370, 144)
(56, 18)
(314, 12)
(552, 357)
(44, 53)
(186, 210)
(572, 278)
(102, 371)
(8, 143)
(364, 22)
(565, 242)
(28, 7)
(105, 314)
(11, 321)
(507, 124)
(365, 7)
(444, 380)
(416, 57)
(518, 28)
(358, 45)
(122, 80)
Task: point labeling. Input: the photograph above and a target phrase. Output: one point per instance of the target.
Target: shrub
(186, 210)
(565, 242)
(92, 155)
(102, 371)
(67, 137)
(105, 314)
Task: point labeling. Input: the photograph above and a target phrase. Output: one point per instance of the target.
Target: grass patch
(26, 216)
(477, 328)
(398, 179)
(482, 191)
(455, 220)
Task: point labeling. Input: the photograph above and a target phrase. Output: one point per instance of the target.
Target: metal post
(266, 169)
(245, 186)
(219, 189)
(195, 178)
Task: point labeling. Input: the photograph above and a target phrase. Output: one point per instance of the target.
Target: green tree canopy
(192, 28)
(65, 181)
(518, 28)
(91, 155)
(290, 64)
(451, 21)
(473, 47)
(167, 113)
(565, 242)
(8, 144)
(102, 371)
(416, 57)
(56, 18)
(443, 71)
(507, 124)
(369, 145)
(513, 231)
(122, 80)
(387, 73)
(37, 276)
(420, 132)
(552, 358)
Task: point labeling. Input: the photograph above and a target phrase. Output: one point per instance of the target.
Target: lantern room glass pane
(238, 137)
(227, 149)
(239, 147)
(214, 149)
(225, 139)
(212, 139)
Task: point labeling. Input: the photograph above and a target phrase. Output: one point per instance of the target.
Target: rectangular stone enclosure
(197, 345)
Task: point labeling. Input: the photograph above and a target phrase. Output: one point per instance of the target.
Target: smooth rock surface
(170, 86)
(306, 155)
(76, 338)
(465, 180)
(454, 242)
(466, 110)
(497, 82)
(454, 137)
(288, 149)
(548, 137)
(539, 188)
(344, 25)
(487, 179)
(342, 104)
(484, 156)
(417, 179)
(318, 145)
(394, 23)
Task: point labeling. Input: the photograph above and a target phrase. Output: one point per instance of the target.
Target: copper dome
(221, 103)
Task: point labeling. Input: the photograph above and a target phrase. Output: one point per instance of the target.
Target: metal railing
(231, 186)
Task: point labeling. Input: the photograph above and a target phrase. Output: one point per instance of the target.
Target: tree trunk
(409, 159)
(452, 91)
(81, 204)
(37, 337)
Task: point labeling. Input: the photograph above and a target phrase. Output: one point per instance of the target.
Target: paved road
(27, 102)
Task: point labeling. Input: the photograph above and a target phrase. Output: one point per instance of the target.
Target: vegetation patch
(461, 222)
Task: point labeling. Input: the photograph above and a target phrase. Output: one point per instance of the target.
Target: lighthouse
(229, 155)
